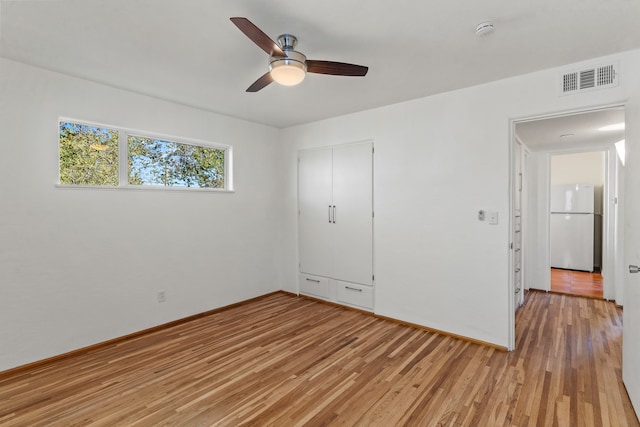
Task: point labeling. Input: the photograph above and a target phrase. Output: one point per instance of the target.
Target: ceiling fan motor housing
(292, 56)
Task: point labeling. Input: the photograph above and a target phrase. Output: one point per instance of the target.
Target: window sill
(143, 188)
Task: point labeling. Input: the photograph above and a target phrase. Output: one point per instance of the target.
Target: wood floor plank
(287, 361)
(580, 283)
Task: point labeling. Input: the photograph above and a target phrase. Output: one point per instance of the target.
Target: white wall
(578, 168)
(80, 266)
(438, 161)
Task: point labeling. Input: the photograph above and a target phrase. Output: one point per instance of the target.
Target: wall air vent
(591, 78)
(569, 82)
(587, 79)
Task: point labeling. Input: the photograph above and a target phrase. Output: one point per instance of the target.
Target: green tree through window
(157, 162)
(88, 155)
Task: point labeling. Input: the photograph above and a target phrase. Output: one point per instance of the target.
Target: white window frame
(123, 159)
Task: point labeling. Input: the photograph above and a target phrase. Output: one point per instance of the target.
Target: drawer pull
(313, 280)
(353, 289)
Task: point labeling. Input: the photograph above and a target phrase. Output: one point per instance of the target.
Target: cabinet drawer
(358, 295)
(314, 285)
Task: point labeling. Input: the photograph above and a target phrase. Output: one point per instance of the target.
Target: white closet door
(353, 199)
(314, 201)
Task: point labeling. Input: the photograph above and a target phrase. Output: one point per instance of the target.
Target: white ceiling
(575, 131)
(188, 51)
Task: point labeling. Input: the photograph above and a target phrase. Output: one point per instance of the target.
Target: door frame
(520, 184)
(611, 252)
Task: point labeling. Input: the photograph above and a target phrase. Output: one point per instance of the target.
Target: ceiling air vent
(589, 79)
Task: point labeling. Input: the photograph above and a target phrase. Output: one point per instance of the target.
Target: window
(90, 155)
(158, 162)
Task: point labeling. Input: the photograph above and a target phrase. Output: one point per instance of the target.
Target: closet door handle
(329, 214)
(334, 214)
(313, 280)
(353, 289)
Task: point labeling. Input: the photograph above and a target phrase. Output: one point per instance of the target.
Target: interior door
(315, 209)
(631, 333)
(353, 201)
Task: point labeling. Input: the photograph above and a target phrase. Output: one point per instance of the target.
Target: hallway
(579, 283)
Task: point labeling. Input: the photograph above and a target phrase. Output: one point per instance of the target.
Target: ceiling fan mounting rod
(287, 41)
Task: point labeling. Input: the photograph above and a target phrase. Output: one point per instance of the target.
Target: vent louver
(606, 75)
(589, 79)
(570, 82)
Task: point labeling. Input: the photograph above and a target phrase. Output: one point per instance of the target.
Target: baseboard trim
(445, 333)
(413, 325)
(82, 350)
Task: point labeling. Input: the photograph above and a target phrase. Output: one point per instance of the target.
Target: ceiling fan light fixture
(288, 72)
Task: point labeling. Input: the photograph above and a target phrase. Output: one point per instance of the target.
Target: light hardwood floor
(577, 283)
(288, 361)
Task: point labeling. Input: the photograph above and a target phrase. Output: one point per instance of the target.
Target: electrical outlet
(162, 296)
(493, 218)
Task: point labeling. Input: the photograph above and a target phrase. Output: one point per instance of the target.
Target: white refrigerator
(572, 226)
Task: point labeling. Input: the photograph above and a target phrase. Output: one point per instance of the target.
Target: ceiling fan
(287, 66)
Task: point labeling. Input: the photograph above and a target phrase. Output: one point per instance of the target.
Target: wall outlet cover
(493, 217)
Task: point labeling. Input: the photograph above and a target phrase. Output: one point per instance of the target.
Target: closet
(335, 223)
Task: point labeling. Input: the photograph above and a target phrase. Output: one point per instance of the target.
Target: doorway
(577, 186)
(541, 138)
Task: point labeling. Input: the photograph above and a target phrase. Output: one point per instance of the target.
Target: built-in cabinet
(335, 223)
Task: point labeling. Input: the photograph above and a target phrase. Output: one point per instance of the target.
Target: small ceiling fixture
(484, 28)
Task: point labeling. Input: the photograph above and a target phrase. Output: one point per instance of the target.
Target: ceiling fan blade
(336, 68)
(261, 82)
(258, 37)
